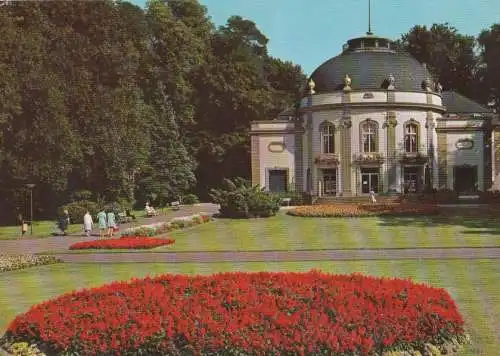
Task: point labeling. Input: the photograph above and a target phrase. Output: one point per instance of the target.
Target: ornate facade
(372, 118)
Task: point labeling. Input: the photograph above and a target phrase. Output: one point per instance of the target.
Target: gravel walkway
(283, 256)
(61, 243)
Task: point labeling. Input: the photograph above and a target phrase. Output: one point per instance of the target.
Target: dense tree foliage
(128, 103)
(151, 104)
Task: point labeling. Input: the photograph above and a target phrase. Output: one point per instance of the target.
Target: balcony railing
(413, 157)
(327, 159)
(368, 158)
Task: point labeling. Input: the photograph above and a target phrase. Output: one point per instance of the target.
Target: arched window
(327, 138)
(411, 137)
(369, 136)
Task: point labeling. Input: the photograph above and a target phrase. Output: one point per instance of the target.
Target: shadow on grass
(478, 220)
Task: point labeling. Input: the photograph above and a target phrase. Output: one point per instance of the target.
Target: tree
(449, 55)
(489, 41)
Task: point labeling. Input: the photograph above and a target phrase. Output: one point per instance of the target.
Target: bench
(175, 205)
(123, 218)
(286, 201)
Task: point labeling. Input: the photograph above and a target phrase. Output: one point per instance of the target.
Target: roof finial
(369, 18)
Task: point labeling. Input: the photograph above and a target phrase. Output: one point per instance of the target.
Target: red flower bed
(122, 243)
(258, 313)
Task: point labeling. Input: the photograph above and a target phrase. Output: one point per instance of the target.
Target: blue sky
(308, 32)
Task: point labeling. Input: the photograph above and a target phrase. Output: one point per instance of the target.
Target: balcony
(413, 158)
(368, 158)
(327, 159)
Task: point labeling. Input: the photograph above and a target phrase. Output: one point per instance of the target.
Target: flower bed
(165, 227)
(11, 262)
(127, 242)
(362, 210)
(245, 313)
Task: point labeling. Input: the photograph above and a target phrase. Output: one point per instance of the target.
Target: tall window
(411, 137)
(369, 136)
(327, 138)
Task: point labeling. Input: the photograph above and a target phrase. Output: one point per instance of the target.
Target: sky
(309, 32)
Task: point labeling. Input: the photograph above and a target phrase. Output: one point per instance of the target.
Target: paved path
(61, 243)
(282, 256)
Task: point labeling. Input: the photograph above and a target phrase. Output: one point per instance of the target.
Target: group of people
(106, 222)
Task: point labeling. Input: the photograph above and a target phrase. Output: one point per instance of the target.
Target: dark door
(277, 180)
(330, 181)
(411, 179)
(465, 179)
(369, 180)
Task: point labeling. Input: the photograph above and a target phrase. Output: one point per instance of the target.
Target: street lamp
(30, 186)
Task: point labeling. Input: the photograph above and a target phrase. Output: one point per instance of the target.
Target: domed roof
(369, 61)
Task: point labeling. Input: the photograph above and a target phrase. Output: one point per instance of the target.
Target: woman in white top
(87, 223)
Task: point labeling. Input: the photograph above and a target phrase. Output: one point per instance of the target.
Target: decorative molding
(464, 144)
(368, 96)
(276, 147)
(327, 159)
(368, 158)
(390, 120)
(372, 105)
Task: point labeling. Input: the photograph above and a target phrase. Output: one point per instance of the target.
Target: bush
(364, 210)
(239, 199)
(239, 313)
(163, 228)
(190, 199)
(78, 209)
(297, 198)
(492, 197)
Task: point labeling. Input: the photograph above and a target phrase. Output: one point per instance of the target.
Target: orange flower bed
(363, 210)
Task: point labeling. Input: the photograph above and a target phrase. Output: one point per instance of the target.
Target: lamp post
(30, 186)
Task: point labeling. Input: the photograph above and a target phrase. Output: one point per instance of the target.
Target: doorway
(370, 180)
(410, 179)
(465, 178)
(277, 180)
(329, 181)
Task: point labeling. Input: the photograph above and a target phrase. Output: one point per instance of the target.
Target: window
(369, 136)
(411, 137)
(327, 138)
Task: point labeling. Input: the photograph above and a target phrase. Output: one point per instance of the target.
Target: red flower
(263, 312)
(122, 243)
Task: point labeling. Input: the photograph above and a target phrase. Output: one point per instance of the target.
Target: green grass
(284, 232)
(473, 285)
(40, 229)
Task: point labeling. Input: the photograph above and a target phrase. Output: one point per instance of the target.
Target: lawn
(473, 284)
(40, 229)
(284, 232)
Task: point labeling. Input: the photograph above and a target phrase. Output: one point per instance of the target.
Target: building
(372, 118)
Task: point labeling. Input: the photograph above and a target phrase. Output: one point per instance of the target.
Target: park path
(61, 243)
(286, 256)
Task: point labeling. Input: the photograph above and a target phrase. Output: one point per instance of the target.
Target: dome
(369, 61)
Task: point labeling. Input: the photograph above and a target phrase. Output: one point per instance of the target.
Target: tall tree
(449, 55)
(489, 41)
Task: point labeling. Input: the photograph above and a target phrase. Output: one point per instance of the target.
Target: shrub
(239, 199)
(244, 313)
(491, 197)
(190, 199)
(363, 210)
(122, 243)
(162, 228)
(12, 262)
(297, 198)
(78, 209)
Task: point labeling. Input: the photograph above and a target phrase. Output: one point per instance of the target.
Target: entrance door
(277, 180)
(465, 179)
(329, 181)
(369, 180)
(410, 179)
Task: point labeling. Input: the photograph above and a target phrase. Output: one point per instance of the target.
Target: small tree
(239, 199)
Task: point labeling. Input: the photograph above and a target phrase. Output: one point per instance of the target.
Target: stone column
(346, 155)
(255, 159)
(442, 160)
(431, 126)
(390, 125)
(299, 157)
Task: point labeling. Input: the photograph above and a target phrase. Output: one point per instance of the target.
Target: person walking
(87, 223)
(64, 222)
(372, 197)
(111, 223)
(101, 217)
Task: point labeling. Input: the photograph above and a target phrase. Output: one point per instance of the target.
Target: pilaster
(442, 160)
(255, 159)
(390, 179)
(299, 157)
